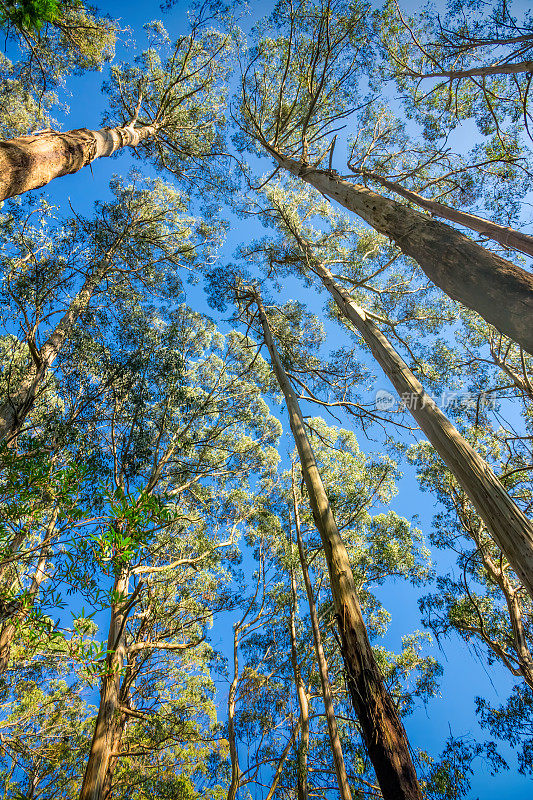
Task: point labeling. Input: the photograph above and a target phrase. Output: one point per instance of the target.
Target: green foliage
(30, 15)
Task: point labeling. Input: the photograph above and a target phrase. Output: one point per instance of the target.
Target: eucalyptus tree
(280, 678)
(478, 61)
(56, 276)
(297, 87)
(311, 252)
(167, 104)
(423, 166)
(184, 436)
(383, 732)
(70, 40)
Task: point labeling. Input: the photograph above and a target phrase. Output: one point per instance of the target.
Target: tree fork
(383, 733)
(505, 236)
(496, 289)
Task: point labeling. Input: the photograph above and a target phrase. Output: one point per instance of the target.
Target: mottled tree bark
(508, 525)
(30, 162)
(110, 716)
(498, 290)
(336, 747)
(507, 237)
(383, 733)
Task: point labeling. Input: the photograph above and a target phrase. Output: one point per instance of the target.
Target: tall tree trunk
(510, 528)
(498, 290)
(303, 702)
(336, 747)
(507, 237)
(9, 628)
(30, 162)
(232, 738)
(109, 719)
(383, 733)
(20, 400)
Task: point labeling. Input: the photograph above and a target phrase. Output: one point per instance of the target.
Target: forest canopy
(266, 400)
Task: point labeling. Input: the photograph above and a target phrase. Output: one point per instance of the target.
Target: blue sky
(465, 676)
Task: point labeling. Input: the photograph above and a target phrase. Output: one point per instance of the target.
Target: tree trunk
(234, 753)
(303, 702)
(109, 720)
(507, 237)
(30, 162)
(336, 748)
(508, 525)
(498, 290)
(492, 69)
(281, 762)
(10, 626)
(19, 402)
(383, 733)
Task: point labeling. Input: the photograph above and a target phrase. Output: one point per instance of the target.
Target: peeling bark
(30, 162)
(383, 733)
(496, 289)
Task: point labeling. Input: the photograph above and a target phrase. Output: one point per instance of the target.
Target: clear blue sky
(464, 676)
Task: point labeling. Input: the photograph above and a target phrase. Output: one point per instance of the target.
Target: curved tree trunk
(496, 289)
(507, 237)
(383, 733)
(30, 162)
(336, 748)
(510, 528)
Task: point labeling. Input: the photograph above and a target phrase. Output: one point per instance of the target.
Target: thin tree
(383, 733)
(336, 747)
(510, 528)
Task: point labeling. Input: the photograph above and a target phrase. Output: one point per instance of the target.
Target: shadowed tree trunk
(510, 528)
(496, 289)
(383, 733)
(336, 748)
(507, 237)
(30, 162)
(109, 721)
